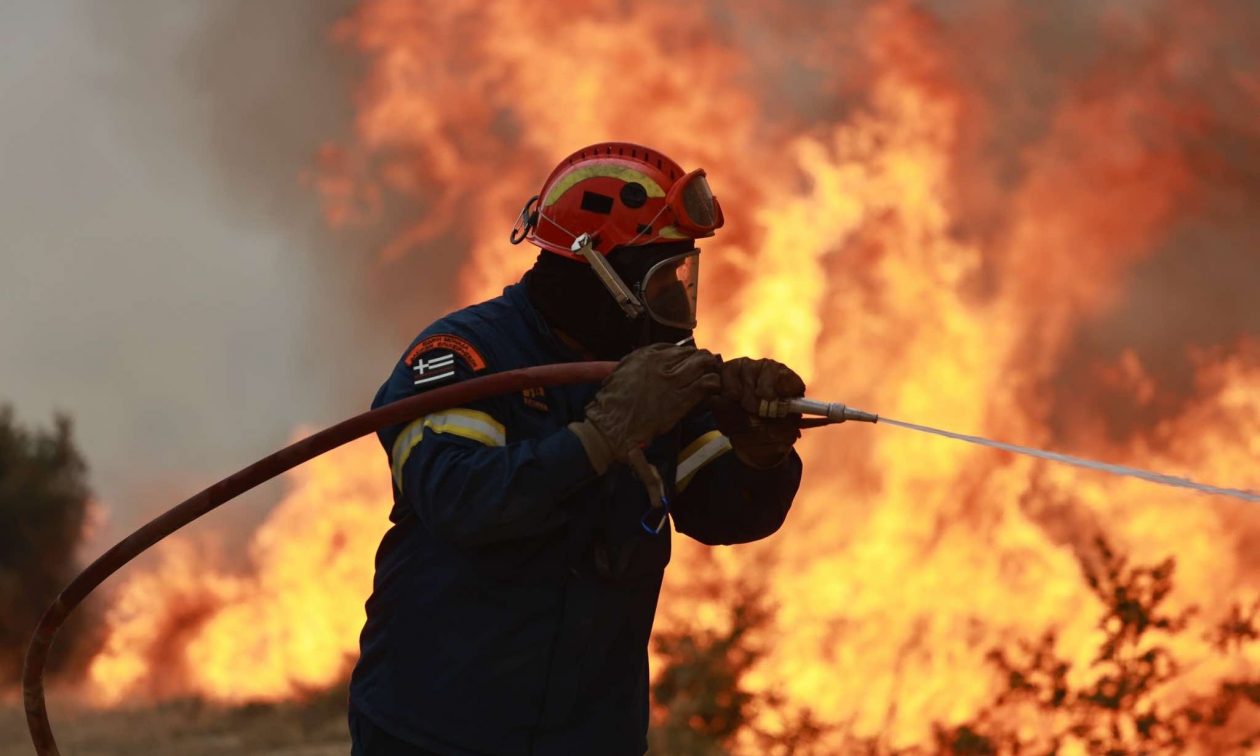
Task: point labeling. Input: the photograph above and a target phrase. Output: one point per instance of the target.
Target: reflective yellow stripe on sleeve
(699, 453)
(465, 423)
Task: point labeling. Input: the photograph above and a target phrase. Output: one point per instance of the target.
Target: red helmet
(621, 194)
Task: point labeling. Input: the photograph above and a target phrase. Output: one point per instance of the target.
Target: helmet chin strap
(625, 298)
(631, 306)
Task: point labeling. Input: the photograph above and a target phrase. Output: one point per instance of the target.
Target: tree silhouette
(43, 510)
(1119, 710)
(700, 704)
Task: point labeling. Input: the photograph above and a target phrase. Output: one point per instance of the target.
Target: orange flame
(854, 253)
(287, 626)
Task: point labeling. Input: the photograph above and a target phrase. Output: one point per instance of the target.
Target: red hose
(260, 472)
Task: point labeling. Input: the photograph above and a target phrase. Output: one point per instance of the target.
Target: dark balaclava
(572, 299)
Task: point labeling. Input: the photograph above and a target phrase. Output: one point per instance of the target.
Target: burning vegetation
(1032, 224)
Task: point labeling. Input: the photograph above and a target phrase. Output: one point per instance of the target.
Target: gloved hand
(652, 389)
(747, 386)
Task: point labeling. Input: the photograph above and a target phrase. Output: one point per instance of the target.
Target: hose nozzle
(833, 411)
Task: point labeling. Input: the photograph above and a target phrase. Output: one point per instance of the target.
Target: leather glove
(652, 389)
(747, 385)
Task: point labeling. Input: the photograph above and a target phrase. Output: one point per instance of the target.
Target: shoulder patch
(433, 359)
(454, 344)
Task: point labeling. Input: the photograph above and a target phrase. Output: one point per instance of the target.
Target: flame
(855, 252)
(286, 626)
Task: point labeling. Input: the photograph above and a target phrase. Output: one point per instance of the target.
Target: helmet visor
(670, 288)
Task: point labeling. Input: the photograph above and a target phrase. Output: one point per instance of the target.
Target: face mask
(661, 278)
(664, 279)
(670, 288)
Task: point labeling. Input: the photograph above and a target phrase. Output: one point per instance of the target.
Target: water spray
(831, 412)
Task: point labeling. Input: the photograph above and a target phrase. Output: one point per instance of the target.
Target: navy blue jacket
(514, 593)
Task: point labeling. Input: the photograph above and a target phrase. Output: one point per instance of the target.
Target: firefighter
(515, 591)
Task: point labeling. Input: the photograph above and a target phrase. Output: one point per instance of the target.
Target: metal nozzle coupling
(833, 411)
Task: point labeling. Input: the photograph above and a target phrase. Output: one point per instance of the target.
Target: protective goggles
(670, 288)
(696, 211)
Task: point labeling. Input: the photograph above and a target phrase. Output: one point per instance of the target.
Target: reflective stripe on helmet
(609, 170)
(671, 232)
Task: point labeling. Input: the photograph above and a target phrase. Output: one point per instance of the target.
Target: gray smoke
(166, 278)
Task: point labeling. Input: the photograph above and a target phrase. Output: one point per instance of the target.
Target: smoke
(168, 273)
(202, 307)
(1134, 363)
(168, 280)
(1014, 66)
(1103, 156)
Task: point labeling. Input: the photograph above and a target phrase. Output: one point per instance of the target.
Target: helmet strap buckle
(526, 221)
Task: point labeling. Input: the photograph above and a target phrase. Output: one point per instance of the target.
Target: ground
(189, 728)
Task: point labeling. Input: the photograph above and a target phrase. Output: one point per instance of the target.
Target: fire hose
(405, 410)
